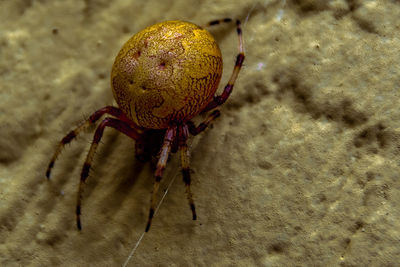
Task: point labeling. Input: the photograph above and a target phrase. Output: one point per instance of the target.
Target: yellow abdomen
(166, 74)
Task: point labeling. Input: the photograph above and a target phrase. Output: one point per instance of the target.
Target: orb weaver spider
(162, 77)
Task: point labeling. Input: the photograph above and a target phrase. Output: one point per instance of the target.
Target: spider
(162, 77)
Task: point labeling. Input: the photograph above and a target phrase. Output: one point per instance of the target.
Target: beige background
(301, 169)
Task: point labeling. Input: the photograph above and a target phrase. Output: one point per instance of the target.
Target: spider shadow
(127, 183)
(116, 143)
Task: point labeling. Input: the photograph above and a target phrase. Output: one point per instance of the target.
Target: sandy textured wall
(302, 168)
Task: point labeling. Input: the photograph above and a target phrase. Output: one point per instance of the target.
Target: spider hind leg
(220, 99)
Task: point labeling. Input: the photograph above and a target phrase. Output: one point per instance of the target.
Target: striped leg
(183, 135)
(218, 21)
(202, 126)
(113, 111)
(169, 137)
(219, 100)
(117, 124)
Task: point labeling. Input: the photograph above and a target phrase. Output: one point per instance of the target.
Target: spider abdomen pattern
(166, 73)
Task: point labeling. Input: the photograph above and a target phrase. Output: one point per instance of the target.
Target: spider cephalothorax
(162, 77)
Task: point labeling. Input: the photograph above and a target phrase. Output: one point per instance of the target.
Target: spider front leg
(113, 111)
(117, 124)
(219, 100)
(169, 138)
(183, 134)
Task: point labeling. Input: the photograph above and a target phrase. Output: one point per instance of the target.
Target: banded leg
(183, 135)
(219, 100)
(113, 111)
(169, 137)
(202, 126)
(117, 124)
(218, 21)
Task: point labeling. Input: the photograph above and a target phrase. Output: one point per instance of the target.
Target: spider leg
(169, 137)
(116, 112)
(117, 124)
(202, 126)
(220, 99)
(182, 138)
(218, 21)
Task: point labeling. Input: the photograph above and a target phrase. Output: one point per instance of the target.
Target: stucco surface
(301, 169)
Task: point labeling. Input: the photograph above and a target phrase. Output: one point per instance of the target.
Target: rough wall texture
(301, 169)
